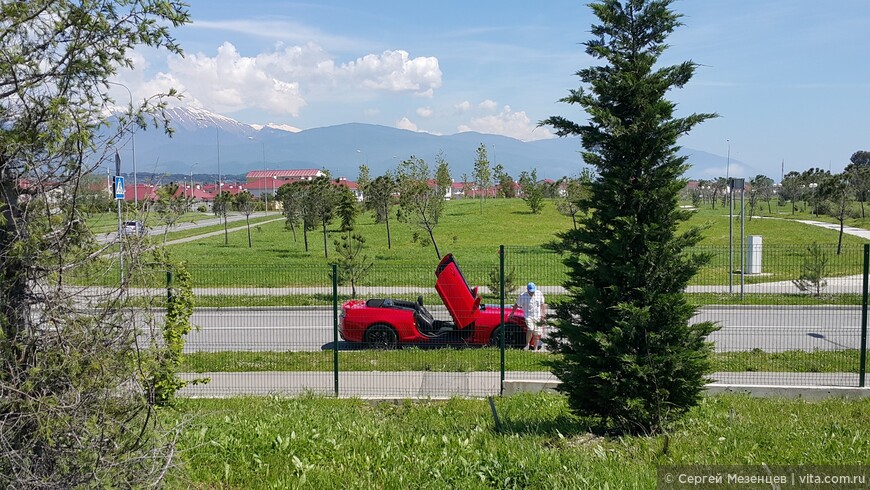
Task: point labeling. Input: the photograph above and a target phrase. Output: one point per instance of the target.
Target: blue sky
(789, 78)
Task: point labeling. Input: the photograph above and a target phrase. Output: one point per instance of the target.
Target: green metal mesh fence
(788, 315)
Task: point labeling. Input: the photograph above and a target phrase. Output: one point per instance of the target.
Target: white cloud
(230, 82)
(395, 71)
(463, 106)
(508, 123)
(488, 105)
(279, 81)
(424, 111)
(406, 123)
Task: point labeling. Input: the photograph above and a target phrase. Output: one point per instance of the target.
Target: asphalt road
(771, 329)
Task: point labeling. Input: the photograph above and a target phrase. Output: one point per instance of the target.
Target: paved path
(836, 285)
(157, 231)
(427, 384)
(848, 230)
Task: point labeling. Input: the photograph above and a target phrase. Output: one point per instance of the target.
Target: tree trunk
(13, 277)
(226, 232)
(305, 235)
(248, 221)
(387, 219)
(325, 252)
(434, 243)
(842, 218)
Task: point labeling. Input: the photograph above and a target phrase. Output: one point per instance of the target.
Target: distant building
(284, 176)
(354, 188)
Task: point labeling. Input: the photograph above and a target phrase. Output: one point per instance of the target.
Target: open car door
(461, 301)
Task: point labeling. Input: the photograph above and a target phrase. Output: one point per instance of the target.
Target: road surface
(771, 329)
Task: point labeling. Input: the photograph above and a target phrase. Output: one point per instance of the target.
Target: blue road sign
(119, 187)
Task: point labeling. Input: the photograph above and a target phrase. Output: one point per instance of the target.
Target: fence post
(862, 368)
(335, 327)
(501, 310)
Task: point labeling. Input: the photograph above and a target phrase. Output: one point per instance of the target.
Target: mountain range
(206, 143)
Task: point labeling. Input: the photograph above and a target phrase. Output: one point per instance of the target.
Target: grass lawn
(488, 359)
(276, 259)
(325, 300)
(311, 442)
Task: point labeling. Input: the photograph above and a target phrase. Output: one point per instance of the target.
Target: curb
(757, 391)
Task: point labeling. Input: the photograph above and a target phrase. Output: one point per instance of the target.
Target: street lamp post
(265, 194)
(190, 171)
(266, 209)
(133, 141)
(728, 161)
(217, 131)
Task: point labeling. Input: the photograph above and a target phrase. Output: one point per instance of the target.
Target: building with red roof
(284, 176)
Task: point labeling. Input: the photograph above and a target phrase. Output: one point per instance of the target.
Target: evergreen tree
(364, 179)
(347, 207)
(352, 264)
(482, 173)
(443, 181)
(628, 354)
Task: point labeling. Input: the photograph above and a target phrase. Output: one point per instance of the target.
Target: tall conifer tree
(629, 356)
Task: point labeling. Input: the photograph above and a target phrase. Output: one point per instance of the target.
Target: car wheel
(381, 336)
(515, 339)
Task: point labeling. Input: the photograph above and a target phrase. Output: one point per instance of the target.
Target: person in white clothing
(534, 309)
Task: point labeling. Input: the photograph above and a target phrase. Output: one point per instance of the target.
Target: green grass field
(488, 360)
(473, 234)
(312, 442)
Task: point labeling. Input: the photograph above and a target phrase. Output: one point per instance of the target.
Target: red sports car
(389, 323)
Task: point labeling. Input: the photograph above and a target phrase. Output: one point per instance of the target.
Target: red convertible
(390, 323)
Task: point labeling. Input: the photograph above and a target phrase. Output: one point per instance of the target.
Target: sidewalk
(427, 384)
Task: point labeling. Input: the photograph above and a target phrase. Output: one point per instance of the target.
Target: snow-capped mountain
(277, 127)
(193, 119)
(213, 143)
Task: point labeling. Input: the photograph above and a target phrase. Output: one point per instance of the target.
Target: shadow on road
(822, 337)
